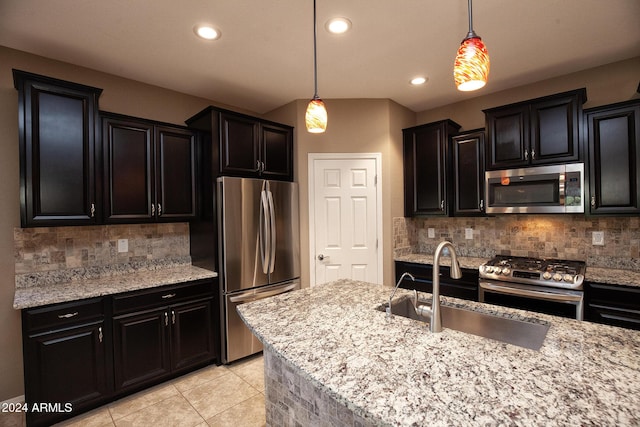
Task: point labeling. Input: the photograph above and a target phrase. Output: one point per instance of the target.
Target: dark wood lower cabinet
(464, 288)
(140, 349)
(67, 365)
(152, 345)
(191, 334)
(83, 354)
(613, 305)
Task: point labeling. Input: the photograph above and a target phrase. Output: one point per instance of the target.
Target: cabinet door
(239, 146)
(67, 366)
(465, 287)
(555, 127)
(191, 334)
(175, 173)
(57, 144)
(508, 135)
(425, 171)
(468, 171)
(141, 348)
(613, 305)
(614, 159)
(277, 152)
(128, 170)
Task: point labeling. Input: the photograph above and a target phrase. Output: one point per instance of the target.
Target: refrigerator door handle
(254, 296)
(272, 223)
(264, 231)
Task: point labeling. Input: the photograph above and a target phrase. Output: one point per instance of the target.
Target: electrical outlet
(468, 233)
(431, 232)
(597, 238)
(123, 245)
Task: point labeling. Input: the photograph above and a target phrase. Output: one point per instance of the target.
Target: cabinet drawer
(156, 297)
(62, 315)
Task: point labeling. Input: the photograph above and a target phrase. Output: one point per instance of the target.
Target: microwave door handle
(562, 187)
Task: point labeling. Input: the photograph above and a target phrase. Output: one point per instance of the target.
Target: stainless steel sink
(517, 332)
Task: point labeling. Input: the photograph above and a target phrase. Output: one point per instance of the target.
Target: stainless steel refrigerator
(258, 225)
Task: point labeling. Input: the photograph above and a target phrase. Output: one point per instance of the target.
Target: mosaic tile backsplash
(47, 249)
(553, 236)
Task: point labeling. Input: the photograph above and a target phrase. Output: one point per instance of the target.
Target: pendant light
(471, 68)
(316, 116)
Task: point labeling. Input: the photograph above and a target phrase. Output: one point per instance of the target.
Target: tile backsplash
(553, 236)
(46, 249)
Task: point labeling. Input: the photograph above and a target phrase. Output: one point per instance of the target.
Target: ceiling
(264, 58)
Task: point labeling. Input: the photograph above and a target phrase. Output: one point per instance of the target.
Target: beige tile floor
(231, 395)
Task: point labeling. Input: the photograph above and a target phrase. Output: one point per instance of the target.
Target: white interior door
(345, 217)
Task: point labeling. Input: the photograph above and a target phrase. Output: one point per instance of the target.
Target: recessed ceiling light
(207, 32)
(338, 25)
(417, 81)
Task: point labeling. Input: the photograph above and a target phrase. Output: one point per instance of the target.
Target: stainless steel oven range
(539, 284)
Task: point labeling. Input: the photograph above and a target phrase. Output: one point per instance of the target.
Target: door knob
(320, 257)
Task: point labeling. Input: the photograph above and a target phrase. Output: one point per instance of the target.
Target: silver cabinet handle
(593, 201)
(481, 205)
(153, 209)
(526, 154)
(166, 319)
(442, 205)
(167, 296)
(533, 154)
(100, 333)
(159, 209)
(173, 317)
(93, 210)
(67, 316)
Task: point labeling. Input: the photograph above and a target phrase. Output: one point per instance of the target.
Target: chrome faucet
(435, 325)
(405, 274)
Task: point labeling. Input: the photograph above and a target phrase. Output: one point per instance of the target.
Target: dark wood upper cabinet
(175, 172)
(149, 170)
(239, 145)
(277, 151)
(535, 132)
(427, 168)
(468, 173)
(234, 144)
(57, 146)
(614, 158)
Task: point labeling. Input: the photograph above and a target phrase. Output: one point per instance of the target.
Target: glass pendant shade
(471, 68)
(316, 116)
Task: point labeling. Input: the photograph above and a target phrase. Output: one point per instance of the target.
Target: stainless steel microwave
(540, 189)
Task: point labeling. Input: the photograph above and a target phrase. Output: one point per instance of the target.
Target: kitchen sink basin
(517, 332)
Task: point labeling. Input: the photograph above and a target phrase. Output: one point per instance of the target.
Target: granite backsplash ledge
(50, 255)
(553, 236)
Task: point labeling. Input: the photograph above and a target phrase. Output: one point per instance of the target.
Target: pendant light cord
(471, 33)
(315, 53)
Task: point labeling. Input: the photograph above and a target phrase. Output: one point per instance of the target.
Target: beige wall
(611, 83)
(354, 126)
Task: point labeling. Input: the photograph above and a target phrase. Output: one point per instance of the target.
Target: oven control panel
(543, 272)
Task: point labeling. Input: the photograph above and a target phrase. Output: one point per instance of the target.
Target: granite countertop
(593, 274)
(38, 289)
(393, 371)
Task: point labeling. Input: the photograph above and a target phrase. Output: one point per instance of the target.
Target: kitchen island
(332, 358)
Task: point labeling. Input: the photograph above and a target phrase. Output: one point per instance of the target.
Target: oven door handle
(552, 296)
